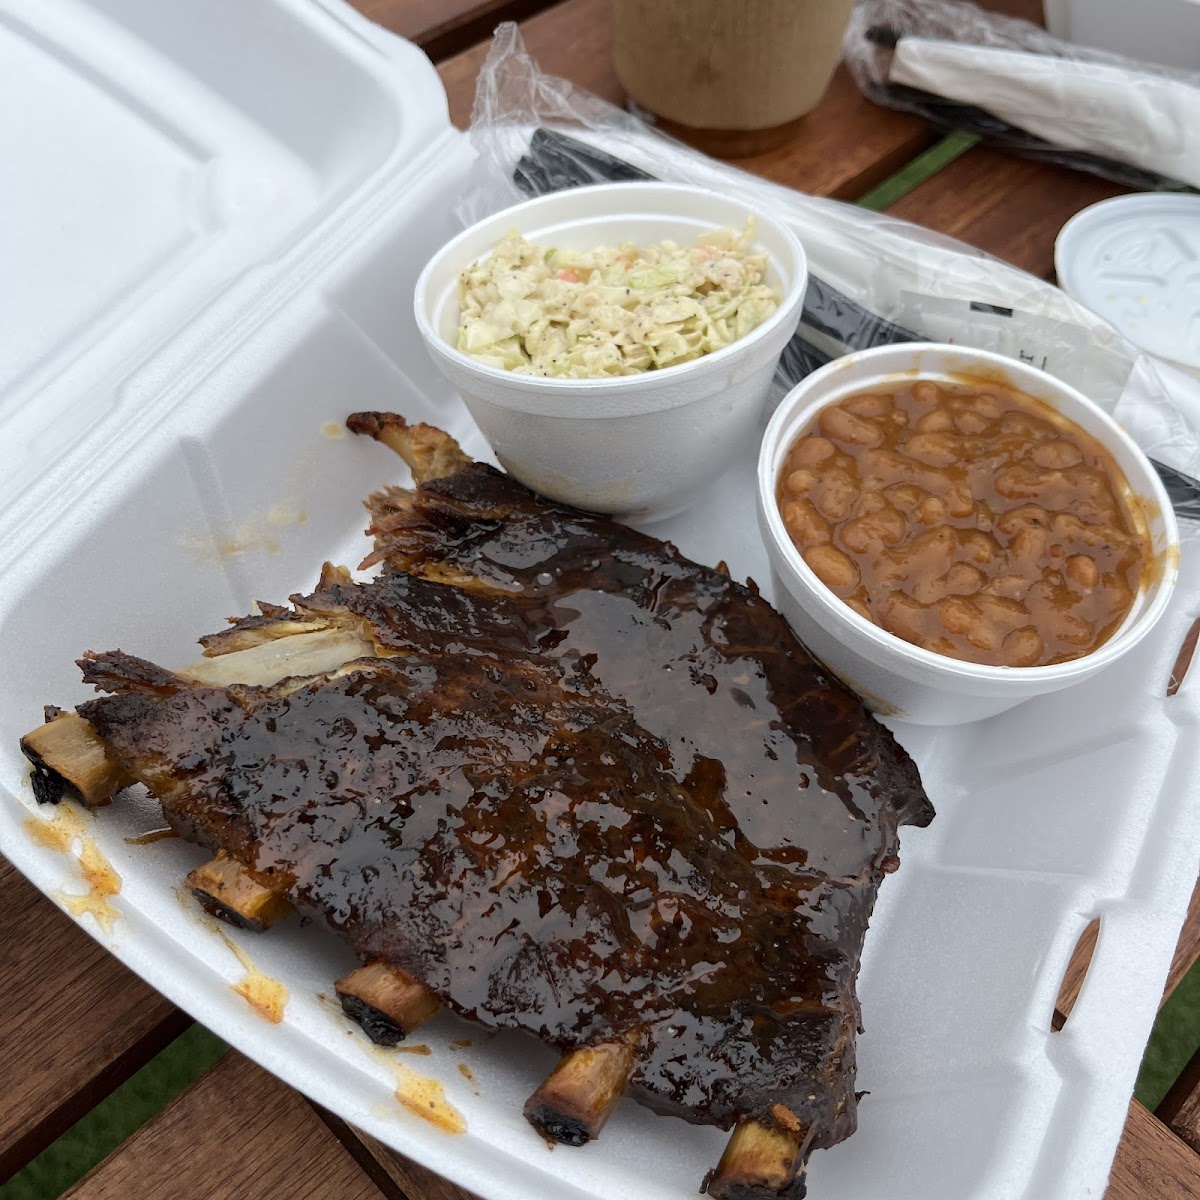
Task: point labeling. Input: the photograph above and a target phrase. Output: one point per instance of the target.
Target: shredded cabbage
(571, 315)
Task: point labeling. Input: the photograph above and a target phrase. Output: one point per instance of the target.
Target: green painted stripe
(935, 159)
(116, 1117)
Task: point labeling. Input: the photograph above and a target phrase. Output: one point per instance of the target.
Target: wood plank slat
(1185, 1124)
(843, 148)
(1187, 952)
(391, 1169)
(1076, 973)
(75, 1023)
(1010, 207)
(1026, 10)
(1152, 1163)
(445, 27)
(1180, 1108)
(1183, 661)
(237, 1132)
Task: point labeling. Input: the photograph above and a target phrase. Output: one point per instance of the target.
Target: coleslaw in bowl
(611, 311)
(639, 445)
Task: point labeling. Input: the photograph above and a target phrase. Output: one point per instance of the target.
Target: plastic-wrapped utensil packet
(1089, 107)
(873, 280)
(1022, 90)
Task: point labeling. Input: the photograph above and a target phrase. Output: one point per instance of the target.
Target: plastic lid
(1135, 261)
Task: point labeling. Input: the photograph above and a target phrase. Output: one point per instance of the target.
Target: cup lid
(1135, 261)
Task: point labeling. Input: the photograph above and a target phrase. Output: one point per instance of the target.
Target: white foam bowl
(639, 446)
(895, 677)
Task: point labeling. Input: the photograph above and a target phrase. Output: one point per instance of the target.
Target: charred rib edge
(430, 452)
(762, 1161)
(227, 891)
(67, 753)
(580, 1094)
(386, 1002)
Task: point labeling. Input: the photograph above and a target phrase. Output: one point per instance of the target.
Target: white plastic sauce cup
(893, 676)
(639, 446)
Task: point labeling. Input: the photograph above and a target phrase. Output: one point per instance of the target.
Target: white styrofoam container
(1159, 31)
(168, 455)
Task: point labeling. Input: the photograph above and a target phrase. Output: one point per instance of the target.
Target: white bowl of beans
(953, 532)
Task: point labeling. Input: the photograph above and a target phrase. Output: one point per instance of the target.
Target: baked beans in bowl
(954, 532)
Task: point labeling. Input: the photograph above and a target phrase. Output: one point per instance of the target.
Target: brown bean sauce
(970, 520)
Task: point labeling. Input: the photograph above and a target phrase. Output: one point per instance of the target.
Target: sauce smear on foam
(426, 1098)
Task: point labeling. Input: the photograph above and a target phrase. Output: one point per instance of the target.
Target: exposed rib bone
(580, 1094)
(386, 1002)
(761, 1161)
(66, 752)
(430, 452)
(301, 654)
(227, 891)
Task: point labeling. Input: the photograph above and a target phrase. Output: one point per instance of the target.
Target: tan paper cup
(728, 64)
(895, 677)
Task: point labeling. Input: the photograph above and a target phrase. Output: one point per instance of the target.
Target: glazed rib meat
(565, 779)
(703, 661)
(480, 824)
(811, 789)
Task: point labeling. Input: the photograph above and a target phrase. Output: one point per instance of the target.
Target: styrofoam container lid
(1135, 261)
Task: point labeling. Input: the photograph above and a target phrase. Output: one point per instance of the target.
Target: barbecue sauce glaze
(598, 789)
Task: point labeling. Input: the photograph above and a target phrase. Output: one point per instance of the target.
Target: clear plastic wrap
(874, 280)
(1020, 89)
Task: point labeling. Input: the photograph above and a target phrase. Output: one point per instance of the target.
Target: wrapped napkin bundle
(1017, 87)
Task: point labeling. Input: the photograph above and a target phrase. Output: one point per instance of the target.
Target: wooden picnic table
(75, 1024)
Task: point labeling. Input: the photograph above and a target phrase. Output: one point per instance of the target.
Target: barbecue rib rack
(545, 771)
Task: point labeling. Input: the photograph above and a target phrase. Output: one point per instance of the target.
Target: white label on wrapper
(1058, 347)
